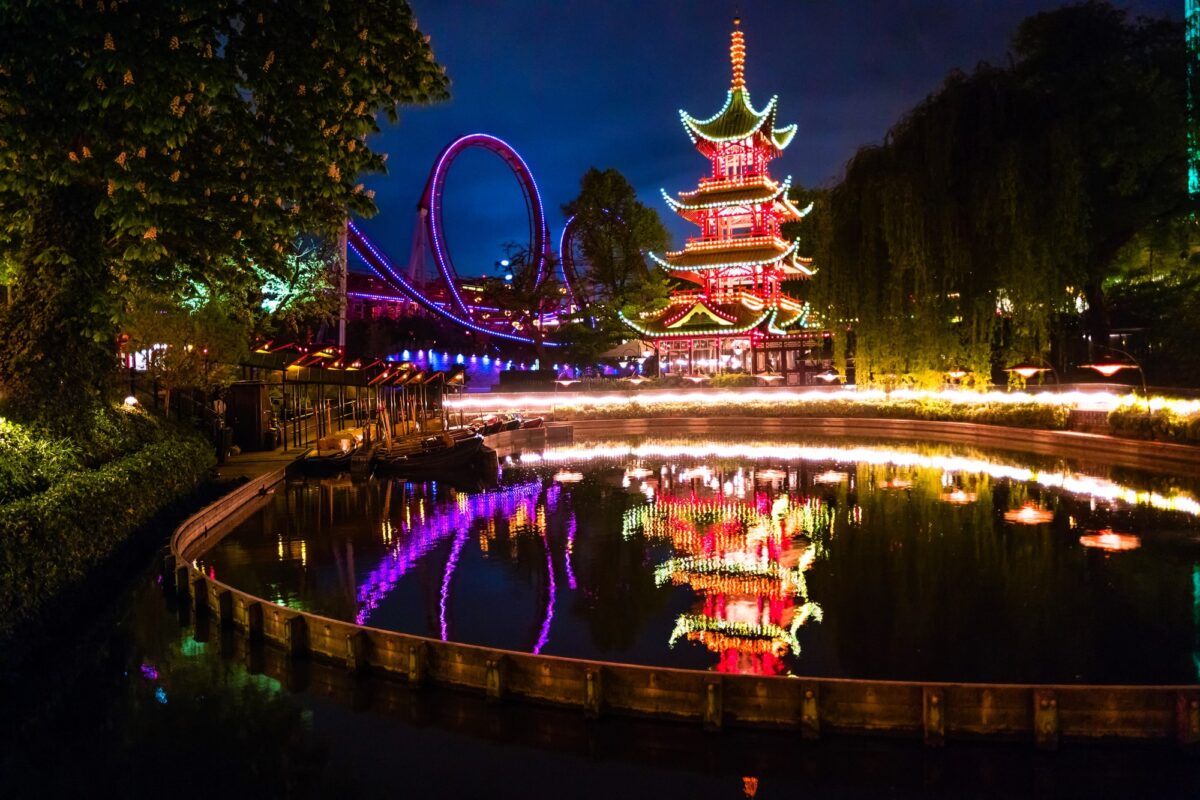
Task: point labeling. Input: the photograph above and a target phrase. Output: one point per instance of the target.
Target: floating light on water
(772, 475)
(564, 476)
(959, 498)
(638, 473)
(897, 483)
(1111, 541)
(1029, 514)
(831, 476)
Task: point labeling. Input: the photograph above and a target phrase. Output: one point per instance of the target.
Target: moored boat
(333, 453)
(429, 455)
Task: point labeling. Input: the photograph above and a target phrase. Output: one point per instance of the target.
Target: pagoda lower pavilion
(734, 315)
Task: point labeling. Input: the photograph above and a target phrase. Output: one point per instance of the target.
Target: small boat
(487, 425)
(533, 422)
(428, 455)
(333, 453)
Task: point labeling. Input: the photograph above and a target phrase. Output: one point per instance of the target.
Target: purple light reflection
(414, 542)
(544, 633)
(451, 563)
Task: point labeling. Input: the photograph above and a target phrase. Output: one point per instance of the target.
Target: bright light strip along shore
(1084, 401)
(1086, 485)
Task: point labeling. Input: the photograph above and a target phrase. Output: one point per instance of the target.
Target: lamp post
(1110, 367)
(1034, 366)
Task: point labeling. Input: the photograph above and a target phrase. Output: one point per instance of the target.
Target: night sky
(573, 85)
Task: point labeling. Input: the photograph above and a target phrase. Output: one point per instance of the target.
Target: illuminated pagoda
(746, 561)
(735, 314)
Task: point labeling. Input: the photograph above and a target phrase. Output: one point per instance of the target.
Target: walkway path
(253, 465)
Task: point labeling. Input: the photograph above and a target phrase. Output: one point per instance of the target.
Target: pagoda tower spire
(739, 259)
(737, 56)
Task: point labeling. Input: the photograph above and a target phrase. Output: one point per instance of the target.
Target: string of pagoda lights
(720, 634)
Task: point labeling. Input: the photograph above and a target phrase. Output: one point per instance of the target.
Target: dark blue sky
(573, 85)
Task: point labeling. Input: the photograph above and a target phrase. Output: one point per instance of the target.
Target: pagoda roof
(754, 253)
(702, 317)
(729, 195)
(739, 119)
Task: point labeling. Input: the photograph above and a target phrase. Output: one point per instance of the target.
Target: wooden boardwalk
(253, 465)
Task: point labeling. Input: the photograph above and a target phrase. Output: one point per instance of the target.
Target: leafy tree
(190, 340)
(615, 231)
(299, 299)
(136, 137)
(523, 298)
(998, 203)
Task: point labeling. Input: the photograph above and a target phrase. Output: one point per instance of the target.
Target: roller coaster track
(430, 229)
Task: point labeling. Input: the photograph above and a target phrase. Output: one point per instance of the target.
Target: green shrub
(1163, 424)
(32, 457)
(49, 541)
(30, 462)
(730, 380)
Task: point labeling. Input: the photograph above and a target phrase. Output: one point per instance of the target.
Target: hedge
(1162, 424)
(1020, 415)
(50, 541)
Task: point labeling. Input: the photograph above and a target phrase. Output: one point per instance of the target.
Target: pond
(824, 557)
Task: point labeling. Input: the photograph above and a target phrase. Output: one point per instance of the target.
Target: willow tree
(139, 137)
(1001, 202)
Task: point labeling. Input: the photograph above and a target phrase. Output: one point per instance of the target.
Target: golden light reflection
(1029, 514)
(1111, 541)
(959, 497)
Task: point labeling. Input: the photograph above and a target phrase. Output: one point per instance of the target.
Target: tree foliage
(615, 232)
(1003, 200)
(138, 137)
(189, 341)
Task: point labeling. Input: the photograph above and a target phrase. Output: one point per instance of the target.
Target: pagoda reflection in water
(745, 558)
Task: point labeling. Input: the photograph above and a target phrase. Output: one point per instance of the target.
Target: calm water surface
(818, 557)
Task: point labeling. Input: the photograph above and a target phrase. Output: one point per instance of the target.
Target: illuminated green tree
(136, 137)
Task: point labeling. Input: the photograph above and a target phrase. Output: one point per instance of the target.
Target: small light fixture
(958, 373)
(130, 401)
(829, 375)
(1027, 369)
(1108, 368)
